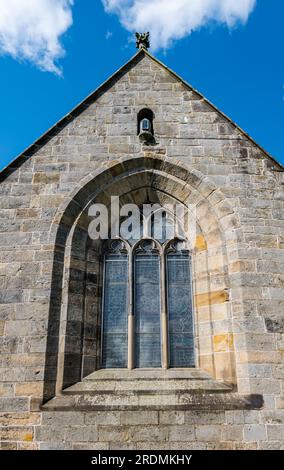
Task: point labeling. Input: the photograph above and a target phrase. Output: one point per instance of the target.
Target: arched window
(147, 305)
(115, 306)
(179, 305)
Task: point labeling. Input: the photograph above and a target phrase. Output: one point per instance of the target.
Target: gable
(200, 119)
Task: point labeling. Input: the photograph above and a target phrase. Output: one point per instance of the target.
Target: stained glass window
(159, 277)
(115, 306)
(147, 306)
(179, 302)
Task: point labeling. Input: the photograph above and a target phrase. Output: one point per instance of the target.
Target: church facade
(146, 345)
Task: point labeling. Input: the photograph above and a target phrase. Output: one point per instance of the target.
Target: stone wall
(228, 430)
(241, 305)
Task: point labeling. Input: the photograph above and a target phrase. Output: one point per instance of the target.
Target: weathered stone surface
(14, 433)
(171, 417)
(136, 418)
(232, 433)
(101, 417)
(275, 324)
(275, 433)
(14, 404)
(255, 432)
(182, 433)
(237, 267)
(20, 419)
(201, 417)
(208, 433)
(148, 433)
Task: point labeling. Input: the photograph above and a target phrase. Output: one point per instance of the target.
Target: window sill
(151, 389)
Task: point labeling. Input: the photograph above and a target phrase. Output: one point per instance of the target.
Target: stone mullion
(131, 317)
(164, 315)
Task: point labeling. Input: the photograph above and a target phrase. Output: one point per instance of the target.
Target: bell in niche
(145, 125)
(146, 133)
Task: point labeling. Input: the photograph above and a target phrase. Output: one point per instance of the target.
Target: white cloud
(168, 20)
(31, 30)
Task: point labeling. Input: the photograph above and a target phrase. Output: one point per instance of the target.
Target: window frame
(105, 252)
(159, 255)
(164, 311)
(165, 254)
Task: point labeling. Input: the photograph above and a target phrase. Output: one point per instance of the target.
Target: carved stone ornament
(147, 246)
(116, 247)
(177, 246)
(143, 40)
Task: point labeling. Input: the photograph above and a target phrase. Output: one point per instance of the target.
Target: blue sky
(240, 69)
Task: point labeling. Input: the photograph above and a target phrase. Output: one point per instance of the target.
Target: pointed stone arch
(72, 351)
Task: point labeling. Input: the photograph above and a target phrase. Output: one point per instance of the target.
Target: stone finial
(143, 41)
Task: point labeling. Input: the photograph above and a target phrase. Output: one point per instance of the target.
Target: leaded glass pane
(162, 226)
(114, 344)
(181, 342)
(147, 310)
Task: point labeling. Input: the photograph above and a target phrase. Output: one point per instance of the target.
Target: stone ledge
(148, 374)
(184, 402)
(179, 401)
(137, 390)
(147, 381)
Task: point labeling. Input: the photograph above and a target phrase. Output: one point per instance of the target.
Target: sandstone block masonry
(200, 156)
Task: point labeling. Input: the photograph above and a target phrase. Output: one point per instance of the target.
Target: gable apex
(78, 109)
